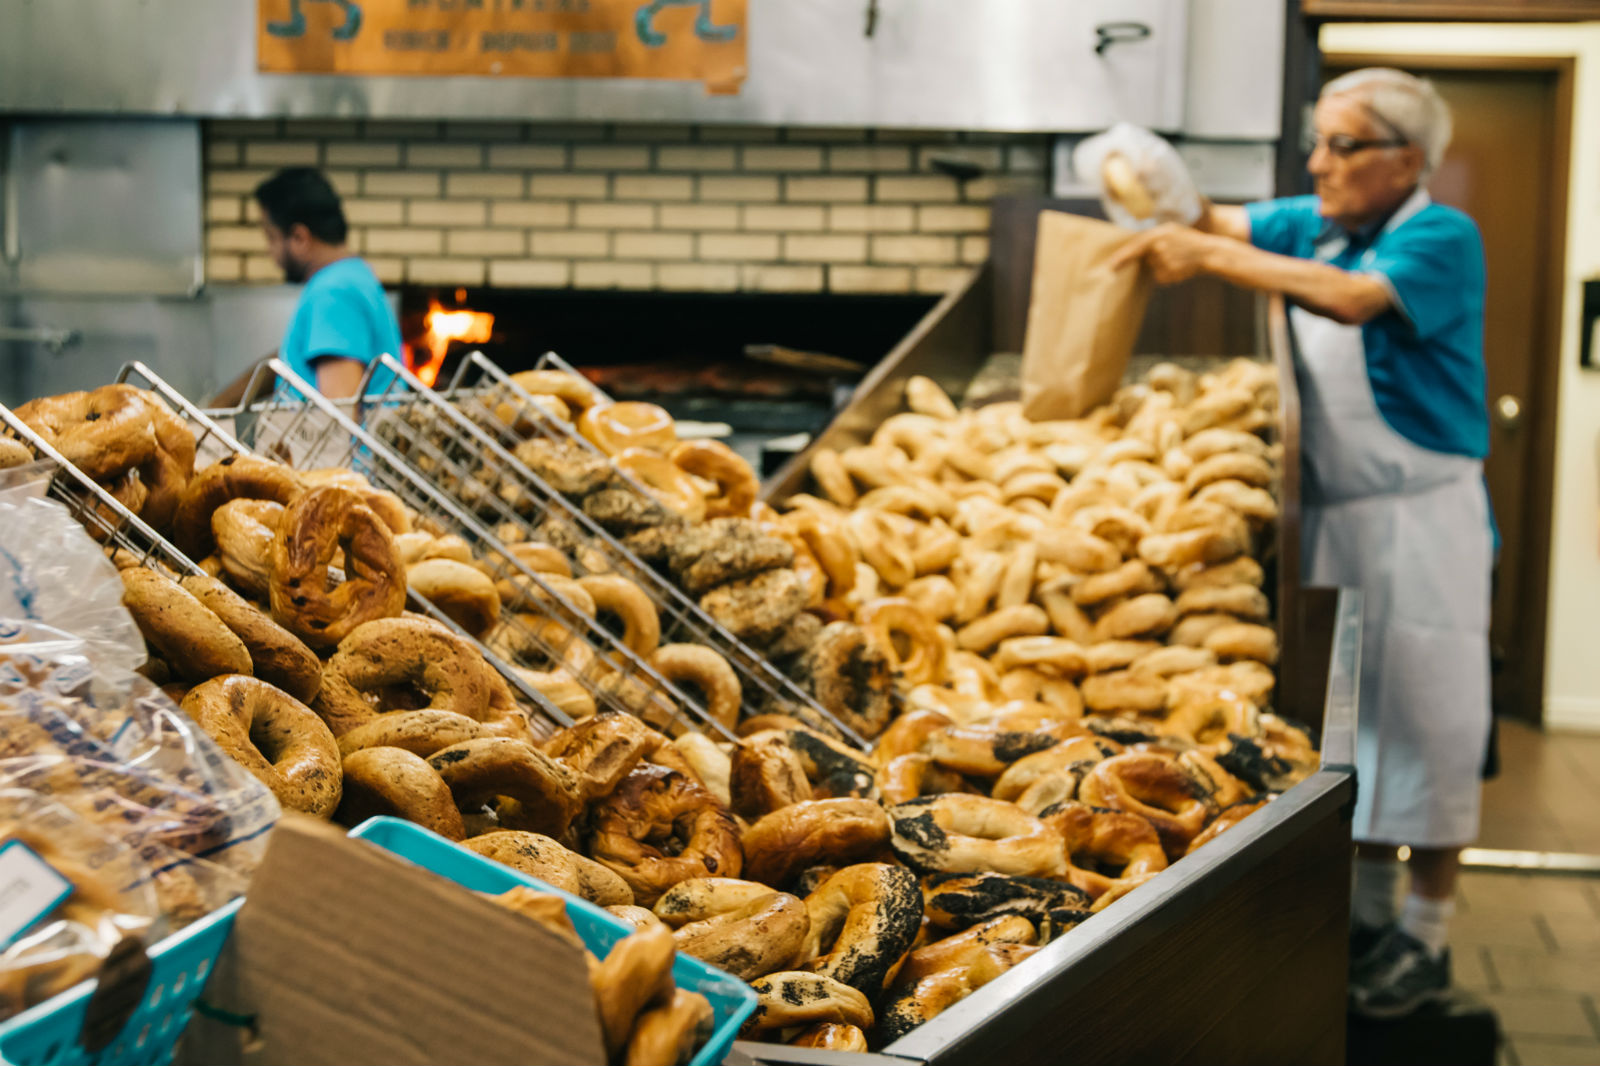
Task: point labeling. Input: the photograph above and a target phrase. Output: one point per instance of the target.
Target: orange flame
(470, 327)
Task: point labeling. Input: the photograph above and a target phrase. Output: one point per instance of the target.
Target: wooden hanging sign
(695, 40)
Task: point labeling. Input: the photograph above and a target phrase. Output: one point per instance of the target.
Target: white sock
(1373, 901)
(1428, 920)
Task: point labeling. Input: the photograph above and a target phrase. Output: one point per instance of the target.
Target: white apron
(1409, 527)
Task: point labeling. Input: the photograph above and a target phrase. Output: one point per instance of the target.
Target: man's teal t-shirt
(342, 314)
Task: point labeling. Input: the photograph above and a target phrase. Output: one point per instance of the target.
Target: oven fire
(441, 327)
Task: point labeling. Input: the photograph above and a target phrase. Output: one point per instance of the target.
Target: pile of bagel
(739, 575)
(266, 535)
(1025, 774)
(698, 523)
(691, 521)
(1054, 633)
(228, 517)
(1101, 567)
(860, 894)
(492, 597)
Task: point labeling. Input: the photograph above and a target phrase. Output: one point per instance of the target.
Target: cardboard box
(345, 954)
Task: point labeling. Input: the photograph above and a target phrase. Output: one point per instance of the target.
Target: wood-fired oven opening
(707, 357)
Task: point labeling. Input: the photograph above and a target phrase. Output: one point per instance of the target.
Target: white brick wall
(706, 209)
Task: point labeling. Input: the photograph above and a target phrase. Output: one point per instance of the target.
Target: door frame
(1452, 10)
(1535, 563)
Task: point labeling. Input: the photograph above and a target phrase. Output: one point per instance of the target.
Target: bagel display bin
(364, 948)
(1237, 953)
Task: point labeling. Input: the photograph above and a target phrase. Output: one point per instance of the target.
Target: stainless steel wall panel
(171, 335)
(1022, 65)
(103, 206)
(1234, 86)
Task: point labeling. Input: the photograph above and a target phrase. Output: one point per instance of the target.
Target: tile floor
(1529, 945)
(1547, 797)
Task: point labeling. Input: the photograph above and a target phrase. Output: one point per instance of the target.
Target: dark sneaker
(1365, 943)
(1402, 978)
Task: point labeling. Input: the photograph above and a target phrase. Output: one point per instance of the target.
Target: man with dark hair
(342, 322)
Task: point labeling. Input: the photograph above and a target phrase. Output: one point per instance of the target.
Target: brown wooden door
(1499, 171)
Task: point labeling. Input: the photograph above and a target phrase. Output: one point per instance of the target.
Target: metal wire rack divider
(481, 401)
(434, 433)
(485, 403)
(105, 517)
(212, 442)
(300, 427)
(481, 404)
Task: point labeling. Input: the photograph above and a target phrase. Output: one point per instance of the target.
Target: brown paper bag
(1083, 319)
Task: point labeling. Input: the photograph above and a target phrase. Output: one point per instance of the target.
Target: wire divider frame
(214, 442)
(293, 423)
(485, 472)
(494, 389)
(505, 390)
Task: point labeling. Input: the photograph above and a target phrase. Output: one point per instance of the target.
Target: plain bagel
(274, 736)
(277, 656)
(540, 856)
(186, 633)
(788, 841)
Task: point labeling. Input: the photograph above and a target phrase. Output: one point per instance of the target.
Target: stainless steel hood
(1012, 65)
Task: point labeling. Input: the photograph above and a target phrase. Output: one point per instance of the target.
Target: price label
(30, 888)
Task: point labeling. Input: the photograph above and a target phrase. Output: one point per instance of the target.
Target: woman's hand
(1177, 253)
(1173, 252)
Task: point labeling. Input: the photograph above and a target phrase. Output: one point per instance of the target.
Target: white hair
(1407, 104)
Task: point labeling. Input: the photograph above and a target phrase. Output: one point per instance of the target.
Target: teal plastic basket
(732, 1001)
(47, 1033)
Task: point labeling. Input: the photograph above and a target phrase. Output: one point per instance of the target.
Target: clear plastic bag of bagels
(53, 572)
(113, 748)
(73, 890)
(1142, 179)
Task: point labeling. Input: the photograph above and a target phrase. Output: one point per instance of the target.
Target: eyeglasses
(1343, 147)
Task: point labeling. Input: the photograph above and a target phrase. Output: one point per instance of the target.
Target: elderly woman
(1388, 295)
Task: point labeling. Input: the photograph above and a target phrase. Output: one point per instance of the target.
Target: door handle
(1508, 412)
(1110, 33)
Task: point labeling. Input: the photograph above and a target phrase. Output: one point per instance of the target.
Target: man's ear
(299, 235)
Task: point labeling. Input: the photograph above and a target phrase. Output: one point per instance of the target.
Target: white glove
(1142, 179)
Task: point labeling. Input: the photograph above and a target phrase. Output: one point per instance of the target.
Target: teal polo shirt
(1424, 354)
(342, 314)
